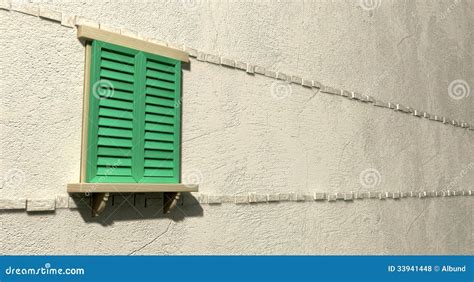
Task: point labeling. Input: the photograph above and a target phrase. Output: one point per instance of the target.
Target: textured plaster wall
(237, 137)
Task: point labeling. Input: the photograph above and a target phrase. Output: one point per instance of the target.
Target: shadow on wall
(138, 206)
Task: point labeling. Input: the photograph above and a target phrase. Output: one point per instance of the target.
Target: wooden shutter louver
(134, 119)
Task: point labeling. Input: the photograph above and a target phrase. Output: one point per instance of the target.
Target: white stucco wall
(237, 137)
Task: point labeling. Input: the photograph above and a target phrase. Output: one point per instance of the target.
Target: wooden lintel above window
(91, 33)
(129, 187)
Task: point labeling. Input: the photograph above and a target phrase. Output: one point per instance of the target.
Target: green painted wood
(168, 172)
(116, 94)
(159, 155)
(113, 65)
(134, 133)
(114, 142)
(113, 171)
(160, 83)
(122, 114)
(160, 101)
(138, 129)
(177, 125)
(160, 75)
(110, 118)
(93, 119)
(115, 132)
(159, 163)
(160, 93)
(115, 122)
(116, 56)
(159, 110)
(114, 161)
(164, 146)
(120, 85)
(116, 75)
(116, 104)
(159, 118)
(166, 67)
(149, 135)
(156, 127)
(113, 152)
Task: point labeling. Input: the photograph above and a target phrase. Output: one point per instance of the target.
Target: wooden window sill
(129, 187)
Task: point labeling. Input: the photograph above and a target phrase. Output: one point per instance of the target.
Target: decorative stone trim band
(71, 21)
(144, 200)
(253, 198)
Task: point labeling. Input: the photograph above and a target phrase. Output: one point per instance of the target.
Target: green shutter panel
(162, 118)
(111, 117)
(134, 116)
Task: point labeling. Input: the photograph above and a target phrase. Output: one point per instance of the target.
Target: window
(134, 116)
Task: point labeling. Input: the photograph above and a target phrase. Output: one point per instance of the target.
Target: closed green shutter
(134, 116)
(162, 119)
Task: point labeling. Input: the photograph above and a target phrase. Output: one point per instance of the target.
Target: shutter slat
(158, 136)
(113, 152)
(117, 57)
(106, 112)
(164, 146)
(159, 118)
(114, 142)
(160, 101)
(159, 110)
(125, 86)
(160, 75)
(158, 127)
(115, 162)
(160, 66)
(160, 92)
(113, 132)
(116, 75)
(160, 84)
(156, 154)
(116, 104)
(113, 171)
(159, 172)
(159, 163)
(116, 66)
(115, 94)
(110, 122)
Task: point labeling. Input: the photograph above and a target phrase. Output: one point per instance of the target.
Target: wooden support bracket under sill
(101, 191)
